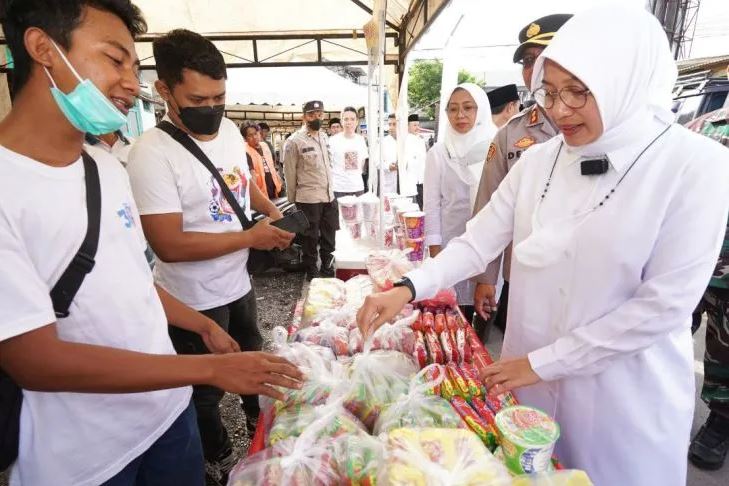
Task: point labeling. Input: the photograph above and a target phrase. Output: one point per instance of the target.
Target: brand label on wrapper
(528, 438)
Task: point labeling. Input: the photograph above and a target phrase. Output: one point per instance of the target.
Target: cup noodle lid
(527, 426)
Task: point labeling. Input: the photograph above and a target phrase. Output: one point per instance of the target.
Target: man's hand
(255, 373)
(484, 300)
(508, 374)
(217, 340)
(263, 236)
(380, 308)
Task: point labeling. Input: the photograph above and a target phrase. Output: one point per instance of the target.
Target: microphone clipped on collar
(594, 166)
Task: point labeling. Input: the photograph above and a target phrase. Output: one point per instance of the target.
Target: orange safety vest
(259, 173)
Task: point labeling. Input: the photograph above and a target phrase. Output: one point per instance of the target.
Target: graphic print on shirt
(351, 160)
(125, 213)
(236, 181)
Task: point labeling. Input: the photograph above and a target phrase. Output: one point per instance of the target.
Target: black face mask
(314, 125)
(201, 120)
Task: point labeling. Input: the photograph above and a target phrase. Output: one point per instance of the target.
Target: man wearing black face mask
(191, 226)
(307, 167)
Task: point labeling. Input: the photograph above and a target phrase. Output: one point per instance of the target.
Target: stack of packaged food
(404, 407)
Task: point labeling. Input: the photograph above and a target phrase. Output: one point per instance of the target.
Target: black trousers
(419, 197)
(240, 319)
(337, 195)
(323, 225)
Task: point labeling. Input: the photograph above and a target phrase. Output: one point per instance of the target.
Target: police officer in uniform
(528, 127)
(307, 168)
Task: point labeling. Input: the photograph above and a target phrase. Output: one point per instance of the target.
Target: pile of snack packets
(406, 407)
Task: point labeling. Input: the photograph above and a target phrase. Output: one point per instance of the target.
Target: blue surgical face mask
(86, 108)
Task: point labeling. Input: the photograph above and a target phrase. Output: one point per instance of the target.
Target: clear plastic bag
(420, 407)
(377, 378)
(326, 334)
(358, 458)
(439, 457)
(324, 294)
(292, 462)
(318, 422)
(572, 477)
(387, 267)
(357, 289)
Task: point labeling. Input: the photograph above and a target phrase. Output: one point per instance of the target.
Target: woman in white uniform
(607, 268)
(453, 172)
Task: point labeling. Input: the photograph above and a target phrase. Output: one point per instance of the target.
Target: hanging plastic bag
(358, 458)
(420, 407)
(387, 267)
(327, 334)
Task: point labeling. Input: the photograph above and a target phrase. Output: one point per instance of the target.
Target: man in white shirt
(105, 398)
(349, 156)
(415, 153)
(388, 184)
(192, 228)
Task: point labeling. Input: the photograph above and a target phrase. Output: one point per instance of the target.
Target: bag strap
(83, 262)
(183, 139)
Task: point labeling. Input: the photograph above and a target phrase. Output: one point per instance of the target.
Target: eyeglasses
(467, 110)
(572, 97)
(527, 61)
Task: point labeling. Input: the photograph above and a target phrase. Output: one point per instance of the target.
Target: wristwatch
(406, 282)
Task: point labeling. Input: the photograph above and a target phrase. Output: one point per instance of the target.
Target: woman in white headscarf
(617, 224)
(453, 170)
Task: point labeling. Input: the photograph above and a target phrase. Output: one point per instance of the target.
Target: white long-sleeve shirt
(607, 328)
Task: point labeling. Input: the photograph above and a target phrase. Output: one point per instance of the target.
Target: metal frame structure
(678, 18)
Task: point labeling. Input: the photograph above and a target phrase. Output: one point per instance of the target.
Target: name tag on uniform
(307, 149)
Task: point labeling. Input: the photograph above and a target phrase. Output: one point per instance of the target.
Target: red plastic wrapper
(451, 322)
(475, 387)
(418, 324)
(440, 322)
(450, 353)
(434, 349)
(329, 335)
(478, 425)
(481, 360)
(474, 341)
(420, 351)
(484, 411)
(463, 346)
(447, 388)
(496, 403)
(459, 383)
(428, 320)
(444, 298)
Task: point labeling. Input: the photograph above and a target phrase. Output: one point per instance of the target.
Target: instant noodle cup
(417, 247)
(370, 230)
(370, 207)
(349, 207)
(355, 230)
(414, 224)
(390, 237)
(528, 436)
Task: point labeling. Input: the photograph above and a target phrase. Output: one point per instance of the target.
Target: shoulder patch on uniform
(534, 116)
(525, 142)
(491, 153)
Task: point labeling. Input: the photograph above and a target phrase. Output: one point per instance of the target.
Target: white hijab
(468, 150)
(631, 75)
(471, 147)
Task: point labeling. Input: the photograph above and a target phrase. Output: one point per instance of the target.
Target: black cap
(264, 126)
(413, 117)
(332, 121)
(313, 106)
(502, 95)
(539, 33)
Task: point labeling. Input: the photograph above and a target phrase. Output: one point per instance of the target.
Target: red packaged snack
(444, 298)
(451, 322)
(475, 387)
(418, 324)
(482, 428)
(474, 341)
(447, 388)
(463, 346)
(494, 403)
(460, 385)
(420, 352)
(484, 411)
(481, 360)
(428, 320)
(434, 349)
(450, 353)
(440, 322)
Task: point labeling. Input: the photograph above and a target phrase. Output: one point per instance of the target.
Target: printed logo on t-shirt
(236, 181)
(126, 215)
(351, 161)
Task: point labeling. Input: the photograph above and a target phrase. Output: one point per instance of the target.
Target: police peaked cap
(539, 33)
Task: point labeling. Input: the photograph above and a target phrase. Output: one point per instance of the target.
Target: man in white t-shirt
(105, 397)
(389, 157)
(192, 228)
(415, 153)
(349, 156)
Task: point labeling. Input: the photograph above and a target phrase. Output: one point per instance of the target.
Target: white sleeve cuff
(433, 240)
(545, 363)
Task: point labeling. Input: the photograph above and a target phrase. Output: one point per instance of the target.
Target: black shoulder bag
(258, 260)
(62, 294)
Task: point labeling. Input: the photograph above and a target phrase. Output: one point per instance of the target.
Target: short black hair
(264, 126)
(58, 19)
(183, 49)
(332, 121)
(495, 110)
(350, 109)
(244, 128)
(391, 116)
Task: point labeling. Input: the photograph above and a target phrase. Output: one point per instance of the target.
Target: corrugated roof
(701, 63)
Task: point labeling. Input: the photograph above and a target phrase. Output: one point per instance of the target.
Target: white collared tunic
(607, 327)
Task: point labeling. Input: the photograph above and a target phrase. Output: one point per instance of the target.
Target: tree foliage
(424, 85)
